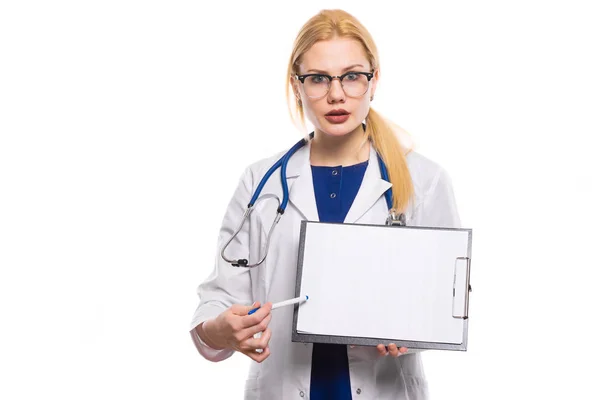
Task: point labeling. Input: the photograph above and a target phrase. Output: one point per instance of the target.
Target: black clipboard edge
(358, 341)
(363, 341)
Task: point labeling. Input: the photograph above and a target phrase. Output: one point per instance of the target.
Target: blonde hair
(327, 25)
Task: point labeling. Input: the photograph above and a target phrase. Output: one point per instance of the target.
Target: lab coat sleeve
(226, 285)
(438, 209)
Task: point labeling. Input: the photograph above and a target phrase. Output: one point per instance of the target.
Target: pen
(283, 303)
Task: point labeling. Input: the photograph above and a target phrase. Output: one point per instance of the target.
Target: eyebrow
(344, 70)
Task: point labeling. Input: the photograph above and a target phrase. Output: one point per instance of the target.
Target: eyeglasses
(354, 84)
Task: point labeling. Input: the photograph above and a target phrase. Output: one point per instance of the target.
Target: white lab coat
(285, 374)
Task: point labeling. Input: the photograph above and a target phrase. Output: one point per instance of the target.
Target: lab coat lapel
(300, 182)
(302, 194)
(371, 189)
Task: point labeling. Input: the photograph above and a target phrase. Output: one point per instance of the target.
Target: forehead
(334, 55)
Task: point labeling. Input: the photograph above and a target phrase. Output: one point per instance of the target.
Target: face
(335, 57)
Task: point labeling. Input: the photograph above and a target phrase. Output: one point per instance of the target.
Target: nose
(336, 92)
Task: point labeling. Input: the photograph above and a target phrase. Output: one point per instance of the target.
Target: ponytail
(386, 143)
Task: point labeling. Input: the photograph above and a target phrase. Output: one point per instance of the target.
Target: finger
(382, 350)
(403, 350)
(263, 342)
(239, 309)
(260, 327)
(255, 319)
(393, 350)
(258, 357)
(248, 333)
(254, 343)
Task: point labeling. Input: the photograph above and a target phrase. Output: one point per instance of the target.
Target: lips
(337, 112)
(337, 118)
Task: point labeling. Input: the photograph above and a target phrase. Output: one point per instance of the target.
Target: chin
(339, 129)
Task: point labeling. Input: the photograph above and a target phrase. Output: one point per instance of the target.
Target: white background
(126, 124)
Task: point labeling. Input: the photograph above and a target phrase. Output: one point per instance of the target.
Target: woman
(333, 72)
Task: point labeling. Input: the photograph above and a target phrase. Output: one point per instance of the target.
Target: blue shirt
(335, 189)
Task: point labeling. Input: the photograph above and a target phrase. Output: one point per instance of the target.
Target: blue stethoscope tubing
(282, 164)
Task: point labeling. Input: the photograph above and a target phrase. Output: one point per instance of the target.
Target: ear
(294, 84)
(374, 82)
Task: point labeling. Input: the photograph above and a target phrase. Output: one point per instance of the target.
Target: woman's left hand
(392, 350)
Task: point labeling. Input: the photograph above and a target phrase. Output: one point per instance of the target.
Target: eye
(317, 79)
(352, 76)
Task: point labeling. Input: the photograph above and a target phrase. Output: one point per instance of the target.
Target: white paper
(382, 282)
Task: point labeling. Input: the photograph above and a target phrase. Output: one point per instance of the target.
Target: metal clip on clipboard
(395, 219)
(467, 288)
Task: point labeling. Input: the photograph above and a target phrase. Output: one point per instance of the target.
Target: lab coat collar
(302, 195)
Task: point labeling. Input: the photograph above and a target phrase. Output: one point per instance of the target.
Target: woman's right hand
(235, 329)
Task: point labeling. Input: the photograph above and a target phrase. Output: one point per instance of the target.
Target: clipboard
(379, 284)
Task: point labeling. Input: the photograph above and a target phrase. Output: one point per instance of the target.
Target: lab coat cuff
(208, 352)
(204, 349)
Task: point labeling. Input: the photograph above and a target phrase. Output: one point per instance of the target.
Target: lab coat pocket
(252, 389)
(416, 387)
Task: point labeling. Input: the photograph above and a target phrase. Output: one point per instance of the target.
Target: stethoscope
(392, 219)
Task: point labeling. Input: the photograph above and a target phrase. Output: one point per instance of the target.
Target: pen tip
(306, 297)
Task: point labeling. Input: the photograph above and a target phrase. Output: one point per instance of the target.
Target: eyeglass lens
(354, 85)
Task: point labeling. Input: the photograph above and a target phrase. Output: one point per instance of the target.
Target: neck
(331, 151)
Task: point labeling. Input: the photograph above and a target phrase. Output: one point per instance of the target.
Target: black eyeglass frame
(330, 79)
